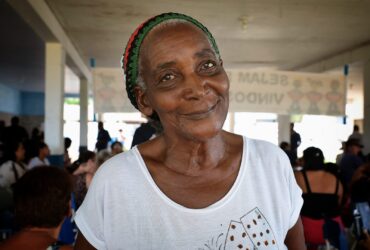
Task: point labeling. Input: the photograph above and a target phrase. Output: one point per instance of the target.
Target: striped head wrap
(130, 59)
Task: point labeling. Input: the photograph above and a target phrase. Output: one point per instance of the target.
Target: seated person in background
(32, 145)
(14, 168)
(322, 195)
(360, 195)
(42, 201)
(83, 169)
(101, 157)
(41, 159)
(116, 148)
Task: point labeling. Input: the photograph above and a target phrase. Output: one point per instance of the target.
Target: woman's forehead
(175, 36)
(174, 25)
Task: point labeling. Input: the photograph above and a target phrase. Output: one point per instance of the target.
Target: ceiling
(278, 34)
(272, 34)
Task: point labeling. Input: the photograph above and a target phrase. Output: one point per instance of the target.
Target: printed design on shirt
(216, 243)
(237, 238)
(251, 232)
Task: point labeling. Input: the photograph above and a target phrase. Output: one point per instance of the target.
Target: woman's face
(91, 165)
(20, 152)
(185, 82)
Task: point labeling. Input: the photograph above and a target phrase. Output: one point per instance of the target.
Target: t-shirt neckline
(218, 204)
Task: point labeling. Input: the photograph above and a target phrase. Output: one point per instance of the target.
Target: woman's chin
(203, 132)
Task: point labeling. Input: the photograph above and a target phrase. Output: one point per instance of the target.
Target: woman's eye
(167, 77)
(208, 65)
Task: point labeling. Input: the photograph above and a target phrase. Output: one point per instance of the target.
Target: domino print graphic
(259, 230)
(237, 237)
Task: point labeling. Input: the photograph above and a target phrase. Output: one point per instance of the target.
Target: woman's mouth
(201, 114)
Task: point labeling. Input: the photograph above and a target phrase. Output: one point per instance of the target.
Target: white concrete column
(54, 100)
(84, 95)
(283, 128)
(366, 132)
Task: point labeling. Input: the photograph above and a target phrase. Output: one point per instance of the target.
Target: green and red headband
(130, 60)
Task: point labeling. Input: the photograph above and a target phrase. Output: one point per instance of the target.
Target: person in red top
(322, 195)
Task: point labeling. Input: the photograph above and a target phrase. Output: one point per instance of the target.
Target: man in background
(103, 138)
(295, 141)
(15, 132)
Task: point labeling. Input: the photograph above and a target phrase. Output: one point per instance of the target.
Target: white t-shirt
(37, 162)
(125, 209)
(9, 171)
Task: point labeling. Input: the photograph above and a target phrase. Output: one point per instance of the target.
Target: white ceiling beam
(357, 54)
(43, 21)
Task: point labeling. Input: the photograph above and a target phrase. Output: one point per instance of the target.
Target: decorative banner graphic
(110, 92)
(286, 92)
(250, 91)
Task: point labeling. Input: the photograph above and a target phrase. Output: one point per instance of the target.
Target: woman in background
(83, 170)
(13, 169)
(322, 196)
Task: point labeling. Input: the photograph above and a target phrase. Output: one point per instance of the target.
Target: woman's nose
(195, 87)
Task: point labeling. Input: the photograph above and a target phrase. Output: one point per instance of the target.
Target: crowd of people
(24, 170)
(336, 195)
(20, 152)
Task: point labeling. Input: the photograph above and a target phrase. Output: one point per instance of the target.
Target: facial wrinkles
(160, 42)
(179, 51)
(176, 61)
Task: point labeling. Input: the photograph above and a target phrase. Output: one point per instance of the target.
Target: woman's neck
(191, 158)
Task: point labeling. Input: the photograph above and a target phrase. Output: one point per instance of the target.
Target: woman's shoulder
(266, 148)
(119, 164)
(266, 156)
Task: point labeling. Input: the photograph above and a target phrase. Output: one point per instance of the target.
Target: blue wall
(32, 103)
(9, 100)
(18, 102)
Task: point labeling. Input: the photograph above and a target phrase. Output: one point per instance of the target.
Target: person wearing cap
(194, 186)
(322, 195)
(340, 155)
(350, 160)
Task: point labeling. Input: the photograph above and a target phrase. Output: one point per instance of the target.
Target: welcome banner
(287, 92)
(250, 91)
(110, 91)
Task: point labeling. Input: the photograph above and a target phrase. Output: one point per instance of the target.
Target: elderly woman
(195, 186)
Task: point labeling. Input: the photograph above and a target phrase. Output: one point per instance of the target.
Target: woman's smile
(199, 114)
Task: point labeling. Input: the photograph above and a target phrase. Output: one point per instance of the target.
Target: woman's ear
(143, 101)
